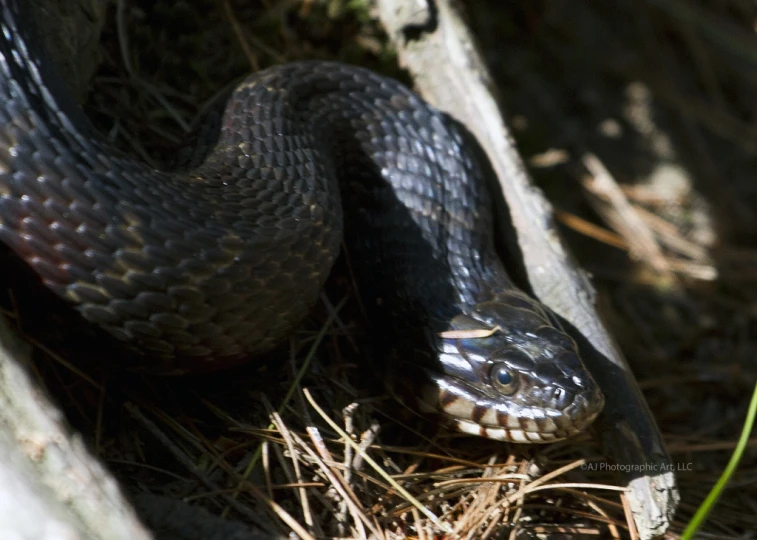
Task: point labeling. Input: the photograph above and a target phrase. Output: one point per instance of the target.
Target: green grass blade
(712, 498)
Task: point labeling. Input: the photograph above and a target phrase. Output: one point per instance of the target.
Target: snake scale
(215, 262)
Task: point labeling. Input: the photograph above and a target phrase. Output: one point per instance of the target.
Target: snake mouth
(519, 435)
(508, 420)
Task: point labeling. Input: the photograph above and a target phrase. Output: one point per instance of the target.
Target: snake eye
(504, 379)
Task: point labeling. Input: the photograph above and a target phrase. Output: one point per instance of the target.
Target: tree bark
(51, 487)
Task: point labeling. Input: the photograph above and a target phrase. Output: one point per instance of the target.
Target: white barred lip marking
(490, 418)
(518, 436)
(472, 428)
(490, 422)
(508, 435)
(459, 408)
(495, 423)
(512, 422)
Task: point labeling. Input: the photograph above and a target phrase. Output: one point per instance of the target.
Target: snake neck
(418, 203)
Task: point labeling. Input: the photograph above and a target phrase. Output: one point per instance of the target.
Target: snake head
(506, 372)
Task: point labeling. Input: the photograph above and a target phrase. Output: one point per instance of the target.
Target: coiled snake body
(219, 261)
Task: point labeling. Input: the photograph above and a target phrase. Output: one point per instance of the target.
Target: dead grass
(663, 116)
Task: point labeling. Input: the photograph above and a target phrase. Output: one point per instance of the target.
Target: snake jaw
(511, 421)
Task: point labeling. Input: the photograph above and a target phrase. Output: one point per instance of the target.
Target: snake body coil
(220, 261)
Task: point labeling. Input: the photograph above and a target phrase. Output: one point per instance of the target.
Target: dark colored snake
(219, 260)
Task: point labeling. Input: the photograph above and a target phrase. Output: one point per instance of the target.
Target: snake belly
(200, 267)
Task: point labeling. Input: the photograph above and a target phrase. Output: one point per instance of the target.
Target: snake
(215, 261)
